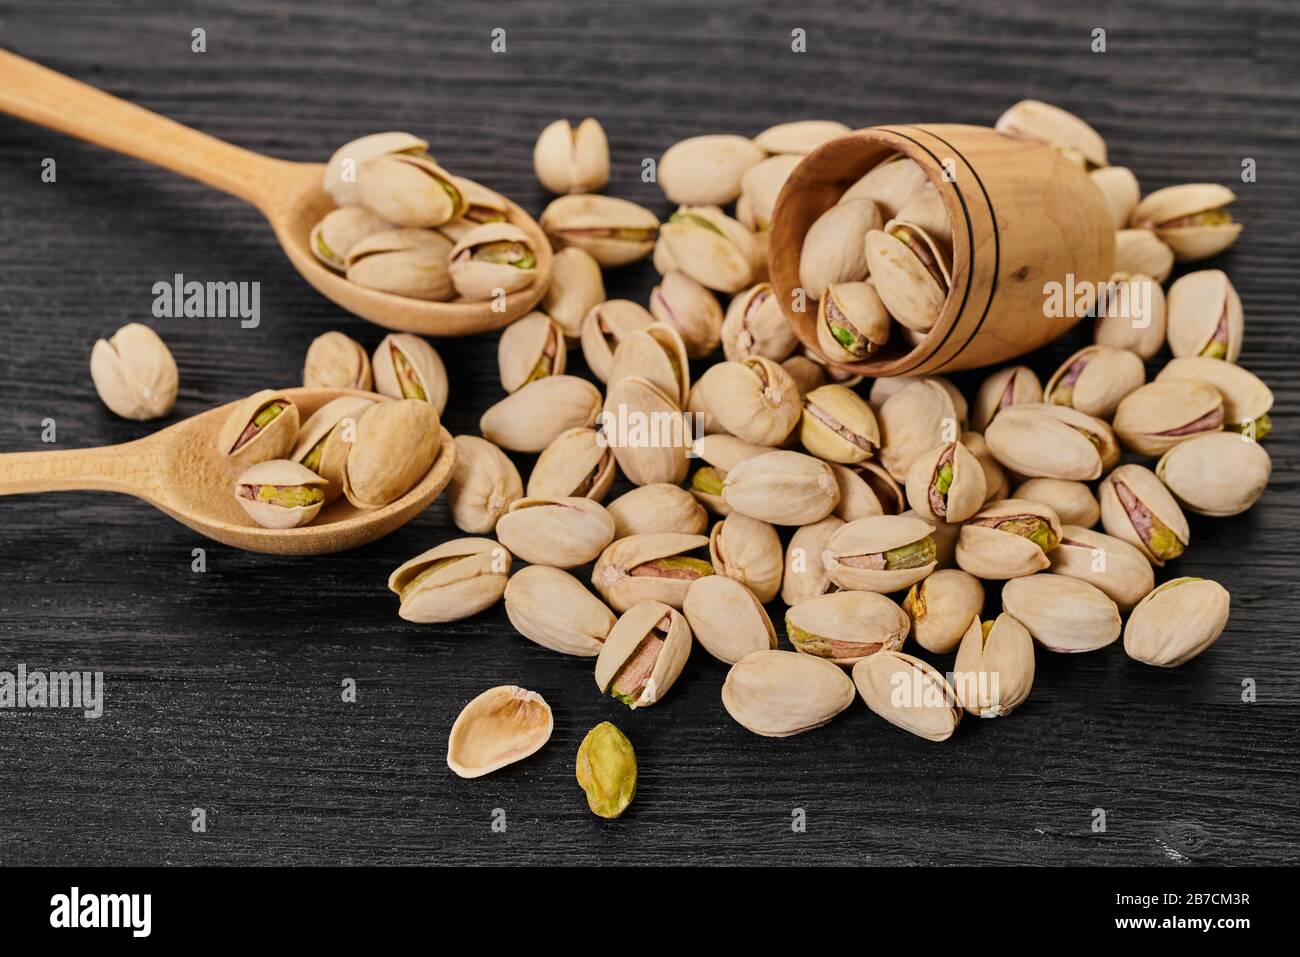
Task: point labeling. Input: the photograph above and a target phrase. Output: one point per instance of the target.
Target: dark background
(223, 689)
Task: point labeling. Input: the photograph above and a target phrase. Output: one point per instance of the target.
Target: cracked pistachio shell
(334, 236)
(889, 184)
(1036, 120)
(569, 160)
(501, 726)
(1246, 399)
(1120, 571)
(883, 553)
(604, 327)
(852, 322)
(536, 415)
(560, 532)
(942, 608)
(1120, 188)
(806, 373)
(994, 669)
(1192, 219)
(1014, 385)
(1073, 502)
(657, 354)
(1205, 316)
(244, 440)
(614, 231)
(996, 485)
(340, 179)
(643, 654)
(646, 431)
(866, 489)
(1051, 441)
(404, 262)
(994, 554)
(706, 170)
(491, 260)
(780, 693)
(483, 484)
(409, 191)
(1177, 622)
(720, 453)
(711, 247)
(660, 507)
(782, 488)
(577, 287)
(833, 249)
(452, 581)
(337, 361)
(926, 210)
(753, 399)
(483, 205)
(332, 428)
(945, 538)
(748, 551)
(756, 326)
(760, 188)
(844, 627)
(799, 137)
(946, 484)
(134, 373)
(530, 348)
(728, 621)
(804, 574)
(396, 443)
(1153, 419)
(552, 608)
(1063, 614)
(407, 367)
(606, 770)
(652, 567)
(909, 693)
(913, 421)
(838, 425)
(1137, 508)
(578, 463)
(1218, 474)
(691, 309)
(1132, 317)
(1141, 252)
(1095, 379)
(911, 271)
(277, 473)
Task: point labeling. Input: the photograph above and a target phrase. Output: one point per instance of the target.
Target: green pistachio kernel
(1164, 544)
(506, 253)
(427, 572)
(707, 480)
(268, 414)
(324, 248)
(694, 220)
(312, 459)
(290, 496)
(406, 377)
(943, 479)
(913, 555)
(1035, 529)
(677, 566)
(1215, 350)
(606, 770)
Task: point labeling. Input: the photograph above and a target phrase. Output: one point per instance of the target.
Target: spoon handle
(131, 469)
(42, 96)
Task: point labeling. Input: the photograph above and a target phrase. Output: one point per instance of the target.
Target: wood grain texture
(223, 688)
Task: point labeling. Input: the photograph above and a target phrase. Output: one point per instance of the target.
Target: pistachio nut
(404, 262)
(782, 488)
(1120, 187)
(1073, 502)
(1192, 219)
(334, 236)
(996, 485)
(606, 770)
(885, 387)
(1062, 613)
(614, 231)
(560, 532)
(1131, 315)
(1246, 399)
(1218, 474)
(760, 188)
(749, 551)
(838, 425)
(407, 367)
(889, 184)
(396, 443)
(337, 361)
(578, 463)
(720, 453)
(653, 567)
(909, 693)
(1064, 131)
(552, 608)
(756, 326)
(911, 271)
(692, 310)
(451, 581)
(945, 537)
(530, 348)
(800, 137)
(833, 249)
(1176, 622)
(728, 621)
(340, 179)
(947, 483)
(647, 432)
(533, 417)
(1095, 379)
(657, 354)
(1008, 539)
(1205, 316)
(482, 205)
(866, 489)
(644, 654)
(501, 726)
(711, 247)
(780, 693)
(326, 438)
(1051, 441)
(706, 170)
(409, 190)
(804, 575)
(660, 507)
(927, 210)
(569, 160)
(844, 627)
(1014, 385)
(1120, 571)
(883, 553)
(577, 287)
(1137, 508)
(852, 322)
(280, 494)
(753, 399)
(913, 421)
(1141, 252)
(942, 607)
(483, 484)
(806, 373)
(262, 427)
(604, 327)
(1156, 417)
(994, 669)
(134, 373)
(491, 260)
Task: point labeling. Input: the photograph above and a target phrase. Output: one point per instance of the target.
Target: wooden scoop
(180, 471)
(289, 195)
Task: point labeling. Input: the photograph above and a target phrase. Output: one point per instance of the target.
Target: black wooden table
(224, 688)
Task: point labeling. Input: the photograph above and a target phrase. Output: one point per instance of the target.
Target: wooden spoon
(180, 471)
(288, 194)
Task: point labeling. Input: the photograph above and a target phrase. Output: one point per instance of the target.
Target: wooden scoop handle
(131, 468)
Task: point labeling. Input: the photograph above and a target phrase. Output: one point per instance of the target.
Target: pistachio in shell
(1063, 614)
(1120, 188)
(492, 260)
(530, 348)
(866, 489)
(407, 367)
(833, 249)
(1193, 219)
(1246, 399)
(911, 271)
(552, 608)
(643, 654)
(748, 551)
(914, 420)
(804, 575)
(570, 159)
(1137, 508)
(852, 322)
(946, 483)
(396, 443)
(1131, 314)
(659, 507)
(706, 170)
(409, 190)
(1205, 316)
(561, 532)
(994, 669)
(753, 399)
(1013, 385)
(657, 354)
(1141, 252)
(844, 627)
(782, 488)
(451, 581)
(884, 553)
(1218, 474)
(341, 229)
(1008, 539)
(326, 438)
(1118, 569)
(711, 247)
(1095, 379)
(760, 187)
(501, 726)
(1153, 419)
(908, 693)
(613, 231)
(889, 184)
(652, 567)
(1051, 441)
(260, 428)
(280, 494)
(1062, 130)
(720, 453)
(134, 373)
(691, 309)
(533, 417)
(606, 770)
(1177, 621)
(483, 484)
(577, 286)
(727, 619)
(799, 137)
(340, 179)
(404, 262)
(780, 693)
(337, 361)
(646, 431)
(1073, 502)
(604, 327)
(579, 463)
(755, 326)
(838, 425)
(942, 607)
